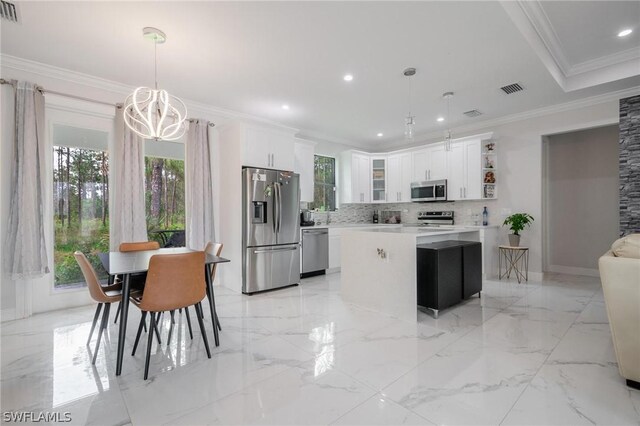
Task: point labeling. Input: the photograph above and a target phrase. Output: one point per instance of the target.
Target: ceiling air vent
(512, 88)
(8, 11)
(472, 113)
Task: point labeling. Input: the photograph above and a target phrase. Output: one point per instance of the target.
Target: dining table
(125, 264)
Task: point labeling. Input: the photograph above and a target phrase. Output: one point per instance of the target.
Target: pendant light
(447, 135)
(154, 113)
(410, 120)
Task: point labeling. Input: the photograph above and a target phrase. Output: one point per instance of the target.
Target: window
(324, 191)
(165, 197)
(80, 201)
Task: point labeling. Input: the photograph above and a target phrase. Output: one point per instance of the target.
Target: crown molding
(540, 21)
(604, 61)
(539, 112)
(534, 24)
(122, 90)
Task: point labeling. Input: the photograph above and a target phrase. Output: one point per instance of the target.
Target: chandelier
(409, 120)
(154, 113)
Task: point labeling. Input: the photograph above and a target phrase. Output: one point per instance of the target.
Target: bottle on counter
(485, 217)
(375, 216)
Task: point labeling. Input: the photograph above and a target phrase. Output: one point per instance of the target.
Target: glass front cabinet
(378, 179)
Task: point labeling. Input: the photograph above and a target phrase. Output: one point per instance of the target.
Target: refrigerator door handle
(274, 250)
(278, 203)
(275, 209)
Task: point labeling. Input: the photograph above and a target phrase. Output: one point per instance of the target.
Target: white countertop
(419, 231)
(352, 225)
(396, 225)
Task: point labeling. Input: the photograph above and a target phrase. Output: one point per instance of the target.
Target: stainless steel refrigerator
(271, 229)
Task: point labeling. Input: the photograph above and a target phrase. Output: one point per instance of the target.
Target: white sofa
(620, 276)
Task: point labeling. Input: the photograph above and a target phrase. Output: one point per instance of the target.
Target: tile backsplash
(363, 213)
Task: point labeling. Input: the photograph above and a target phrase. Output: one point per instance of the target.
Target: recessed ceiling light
(440, 119)
(285, 107)
(380, 135)
(625, 33)
(348, 77)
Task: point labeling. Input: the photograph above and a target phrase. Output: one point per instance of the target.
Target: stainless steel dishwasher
(315, 251)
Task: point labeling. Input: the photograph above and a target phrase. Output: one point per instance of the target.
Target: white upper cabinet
(361, 187)
(387, 177)
(473, 189)
(399, 177)
(464, 180)
(257, 152)
(430, 163)
(378, 179)
(355, 177)
(268, 148)
(304, 166)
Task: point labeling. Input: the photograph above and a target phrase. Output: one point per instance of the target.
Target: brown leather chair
(214, 249)
(139, 246)
(100, 295)
(137, 280)
(174, 281)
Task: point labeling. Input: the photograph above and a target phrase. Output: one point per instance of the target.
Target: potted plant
(517, 223)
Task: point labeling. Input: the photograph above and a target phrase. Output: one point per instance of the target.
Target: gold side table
(516, 260)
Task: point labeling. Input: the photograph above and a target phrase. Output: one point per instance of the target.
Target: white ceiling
(589, 30)
(253, 57)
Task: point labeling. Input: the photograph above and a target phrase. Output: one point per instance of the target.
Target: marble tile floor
(531, 353)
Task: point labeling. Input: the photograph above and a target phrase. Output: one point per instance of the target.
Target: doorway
(580, 199)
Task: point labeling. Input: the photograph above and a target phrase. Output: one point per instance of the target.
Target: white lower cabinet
(334, 249)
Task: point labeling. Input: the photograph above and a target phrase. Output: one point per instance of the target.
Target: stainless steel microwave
(432, 190)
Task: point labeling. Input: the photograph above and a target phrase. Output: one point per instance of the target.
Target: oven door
(422, 191)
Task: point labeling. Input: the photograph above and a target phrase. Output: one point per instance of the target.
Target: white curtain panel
(26, 250)
(199, 186)
(128, 217)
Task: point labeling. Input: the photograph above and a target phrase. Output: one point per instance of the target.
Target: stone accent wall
(629, 165)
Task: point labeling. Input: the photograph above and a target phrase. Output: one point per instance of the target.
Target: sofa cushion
(628, 246)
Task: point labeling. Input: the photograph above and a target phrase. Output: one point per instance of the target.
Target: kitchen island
(379, 269)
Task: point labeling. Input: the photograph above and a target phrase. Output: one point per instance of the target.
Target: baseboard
(8, 314)
(572, 270)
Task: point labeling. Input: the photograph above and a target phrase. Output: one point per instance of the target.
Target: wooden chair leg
(202, 330)
(103, 326)
(95, 320)
(149, 343)
(186, 311)
(143, 320)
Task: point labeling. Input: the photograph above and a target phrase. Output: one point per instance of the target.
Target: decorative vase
(514, 240)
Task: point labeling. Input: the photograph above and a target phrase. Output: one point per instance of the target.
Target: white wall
(581, 187)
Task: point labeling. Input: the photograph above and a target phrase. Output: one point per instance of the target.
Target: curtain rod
(53, 92)
(42, 90)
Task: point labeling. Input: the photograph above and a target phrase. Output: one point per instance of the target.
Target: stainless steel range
(436, 218)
